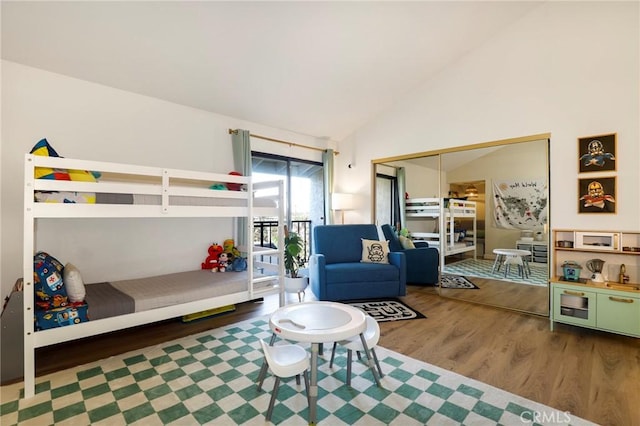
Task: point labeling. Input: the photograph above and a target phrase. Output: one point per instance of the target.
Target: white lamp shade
(341, 201)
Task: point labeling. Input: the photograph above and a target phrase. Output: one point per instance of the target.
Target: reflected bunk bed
(443, 212)
(129, 191)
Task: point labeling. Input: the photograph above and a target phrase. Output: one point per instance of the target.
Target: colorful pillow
(44, 149)
(73, 283)
(406, 243)
(374, 251)
(47, 277)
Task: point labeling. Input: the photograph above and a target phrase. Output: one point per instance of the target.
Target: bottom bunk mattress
(141, 294)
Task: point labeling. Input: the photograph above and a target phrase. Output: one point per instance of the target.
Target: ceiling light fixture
(471, 191)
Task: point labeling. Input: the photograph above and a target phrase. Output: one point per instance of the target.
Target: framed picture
(597, 153)
(597, 195)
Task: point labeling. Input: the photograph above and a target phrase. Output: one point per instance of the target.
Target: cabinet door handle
(573, 293)
(619, 299)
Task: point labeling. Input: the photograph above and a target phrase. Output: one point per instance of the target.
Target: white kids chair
(371, 336)
(285, 361)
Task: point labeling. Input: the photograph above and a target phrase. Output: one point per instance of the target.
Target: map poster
(520, 203)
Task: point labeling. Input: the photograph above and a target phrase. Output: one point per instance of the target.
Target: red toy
(234, 186)
(211, 262)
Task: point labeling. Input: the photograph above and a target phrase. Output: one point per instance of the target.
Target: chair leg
(306, 386)
(298, 379)
(333, 354)
(349, 359)
(375, 358)
(272, 402)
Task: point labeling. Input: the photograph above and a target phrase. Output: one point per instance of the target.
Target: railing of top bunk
(266, 231)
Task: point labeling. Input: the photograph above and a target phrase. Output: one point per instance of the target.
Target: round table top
(512, 252)
(318, 322)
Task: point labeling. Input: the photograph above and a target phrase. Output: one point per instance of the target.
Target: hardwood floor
(593, 375)
(503, 294)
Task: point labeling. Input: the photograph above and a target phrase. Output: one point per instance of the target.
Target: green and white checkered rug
(210, 378)
(482, 268)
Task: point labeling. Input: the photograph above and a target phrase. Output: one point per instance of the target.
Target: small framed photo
(597, 195)
(597, 153)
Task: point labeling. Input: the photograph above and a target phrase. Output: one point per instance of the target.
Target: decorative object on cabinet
(600, 300)
(597, 195)
(597, 153)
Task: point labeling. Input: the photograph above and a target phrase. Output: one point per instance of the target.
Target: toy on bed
(211, 262)
(55, 305)
(231, 186)
(43, 148)
(225, 262)
(238, 263)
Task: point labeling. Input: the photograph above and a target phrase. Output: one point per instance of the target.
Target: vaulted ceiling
(317, 68)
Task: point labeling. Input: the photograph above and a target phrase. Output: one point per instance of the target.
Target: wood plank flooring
(591, 374)
(520, 297)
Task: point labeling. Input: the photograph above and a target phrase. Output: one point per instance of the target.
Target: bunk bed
(441, 215)
(129, 191)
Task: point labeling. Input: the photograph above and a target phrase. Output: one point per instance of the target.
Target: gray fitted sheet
(106, 301)
(181, 287)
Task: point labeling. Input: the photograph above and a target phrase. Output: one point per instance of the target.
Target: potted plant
(293, 246)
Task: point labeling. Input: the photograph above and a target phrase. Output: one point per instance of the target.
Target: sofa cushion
(338, 273)
(374, 251)
(407, 244)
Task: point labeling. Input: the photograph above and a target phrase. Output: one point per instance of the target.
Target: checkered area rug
(210, 378)
(482, 268)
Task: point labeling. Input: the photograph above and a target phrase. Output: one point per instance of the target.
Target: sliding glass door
(305, 200)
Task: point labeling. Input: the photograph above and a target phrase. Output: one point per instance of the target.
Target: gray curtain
(241, 144)
(327, 163)
(402, 189)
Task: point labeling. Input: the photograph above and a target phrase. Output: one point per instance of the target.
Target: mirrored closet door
(469, 202)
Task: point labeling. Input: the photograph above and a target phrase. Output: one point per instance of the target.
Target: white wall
(568, 68)
(89, 121)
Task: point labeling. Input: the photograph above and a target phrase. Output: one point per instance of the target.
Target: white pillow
(374, 251)
(406, 242)
(73, 283)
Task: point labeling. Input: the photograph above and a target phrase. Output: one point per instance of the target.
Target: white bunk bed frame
(434, 208)
(131, 179)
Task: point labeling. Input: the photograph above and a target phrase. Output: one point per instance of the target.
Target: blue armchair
(335, 270)
(422, 261)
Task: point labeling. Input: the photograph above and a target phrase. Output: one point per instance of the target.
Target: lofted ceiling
(316, 68)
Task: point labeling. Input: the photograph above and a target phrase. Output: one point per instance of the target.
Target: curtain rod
(235, 132)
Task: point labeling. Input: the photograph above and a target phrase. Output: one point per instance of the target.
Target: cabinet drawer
(539, 250)
(574, 306)
(619, 313)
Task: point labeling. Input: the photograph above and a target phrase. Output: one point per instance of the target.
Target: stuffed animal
(211, 262)
(239, 264)
(224, 262)
(234, 186)
(229, 247)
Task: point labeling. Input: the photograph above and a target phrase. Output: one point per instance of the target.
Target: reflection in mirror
(485, 209)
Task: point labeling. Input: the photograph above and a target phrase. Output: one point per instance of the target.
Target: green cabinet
(597, 307)
(619, 313)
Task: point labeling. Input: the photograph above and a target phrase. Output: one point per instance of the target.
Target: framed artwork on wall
(597, 153)
(597, 195)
